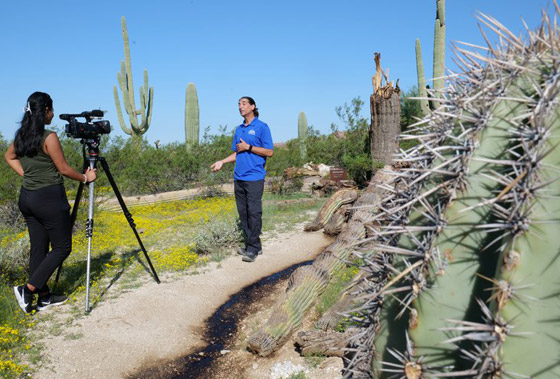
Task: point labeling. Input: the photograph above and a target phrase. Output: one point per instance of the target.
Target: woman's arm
(13, 160)
(53, 148)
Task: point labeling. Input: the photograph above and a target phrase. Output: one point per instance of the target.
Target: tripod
(91, 161)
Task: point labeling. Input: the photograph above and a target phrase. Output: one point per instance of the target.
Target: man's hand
(242, 146)
(217, 166)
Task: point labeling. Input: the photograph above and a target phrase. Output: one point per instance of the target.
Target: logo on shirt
(252, 132)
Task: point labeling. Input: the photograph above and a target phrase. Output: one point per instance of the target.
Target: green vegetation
(335, 287)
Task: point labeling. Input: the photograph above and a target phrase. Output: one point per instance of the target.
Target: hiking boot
(250, 256)
(49, 301)
(24, 297)
(242, 251)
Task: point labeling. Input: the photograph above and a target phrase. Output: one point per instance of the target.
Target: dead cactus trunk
(385, 107)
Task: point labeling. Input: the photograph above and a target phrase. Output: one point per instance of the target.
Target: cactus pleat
(465, 256)
(335, 225)
(126, 85)
(192, 117)
(338, 199)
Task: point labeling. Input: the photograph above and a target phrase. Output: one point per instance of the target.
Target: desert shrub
(14, 256)
(10, 183)
(218, 236)
(410, 108)
(280, 186)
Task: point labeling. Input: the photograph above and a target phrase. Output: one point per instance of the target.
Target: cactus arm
(421, 80)
(128, 65)
(150, 106)
(439, 47)
(119, 112)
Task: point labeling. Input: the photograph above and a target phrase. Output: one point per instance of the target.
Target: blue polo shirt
(250, 166)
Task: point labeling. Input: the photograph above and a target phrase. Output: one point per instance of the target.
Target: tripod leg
(89, 235)
(127, 214)
(73, 217)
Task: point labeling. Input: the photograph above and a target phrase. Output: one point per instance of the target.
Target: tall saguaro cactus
(302, 135)
(438, 59)
(192, 116)
(137, 128)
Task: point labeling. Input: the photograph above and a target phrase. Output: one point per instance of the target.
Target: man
(252, 144)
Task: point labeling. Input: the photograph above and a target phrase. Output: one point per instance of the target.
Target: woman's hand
(91, 175)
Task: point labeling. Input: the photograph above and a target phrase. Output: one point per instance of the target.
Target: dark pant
(248, 197)
(47, 214)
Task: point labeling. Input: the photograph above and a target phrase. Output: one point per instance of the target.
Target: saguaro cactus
(302, 135)
(137, 128)
(192, 116)
(438, 59)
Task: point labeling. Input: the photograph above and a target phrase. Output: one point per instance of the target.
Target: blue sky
(290, 56)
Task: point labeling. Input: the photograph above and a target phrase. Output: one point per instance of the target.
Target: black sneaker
(49, 301)
(24, 298)
(241, 251)
(250, 256)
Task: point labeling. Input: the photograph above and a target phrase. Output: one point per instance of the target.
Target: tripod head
(92, 151)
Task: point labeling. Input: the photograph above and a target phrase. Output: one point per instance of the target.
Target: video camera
(86, 130)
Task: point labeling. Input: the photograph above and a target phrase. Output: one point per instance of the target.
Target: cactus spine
(124, 78)
(438, 59)
(192, 120)
(302, 135)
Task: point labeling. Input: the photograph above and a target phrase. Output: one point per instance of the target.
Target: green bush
(218, 236)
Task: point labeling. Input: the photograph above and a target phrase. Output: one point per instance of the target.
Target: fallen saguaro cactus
(339, 198)
(307, 283)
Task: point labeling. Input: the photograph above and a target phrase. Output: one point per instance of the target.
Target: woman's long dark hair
(252, 102)
(29, 135)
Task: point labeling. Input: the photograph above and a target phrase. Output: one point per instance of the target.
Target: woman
(252, 144)
(36, 155)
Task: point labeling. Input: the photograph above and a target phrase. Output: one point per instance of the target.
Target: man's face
(245, 108)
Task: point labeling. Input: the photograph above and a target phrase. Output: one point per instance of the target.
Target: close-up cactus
(463, 269)
(137, 128)
(192, 116)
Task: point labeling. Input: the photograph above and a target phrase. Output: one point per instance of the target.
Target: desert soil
(131, 330)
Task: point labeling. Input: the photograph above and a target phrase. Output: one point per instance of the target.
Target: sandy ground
(145, 326)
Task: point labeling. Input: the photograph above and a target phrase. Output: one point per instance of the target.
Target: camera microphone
(96, 113)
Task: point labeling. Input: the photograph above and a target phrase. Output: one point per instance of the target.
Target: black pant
(248, 197)
(47, 214)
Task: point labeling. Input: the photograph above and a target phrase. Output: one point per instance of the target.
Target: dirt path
(154, 323)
